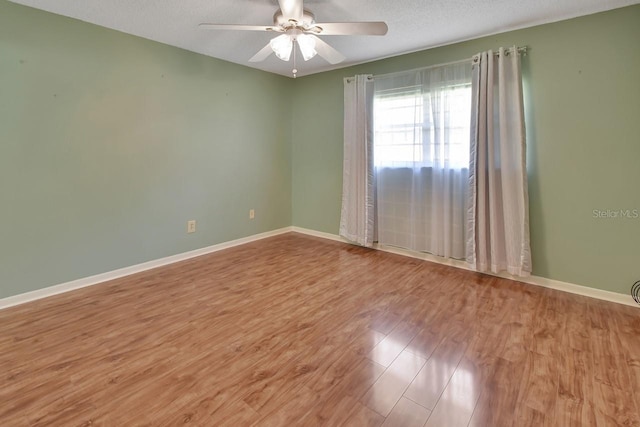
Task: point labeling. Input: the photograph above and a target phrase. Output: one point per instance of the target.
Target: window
(421, 144)
(413, 128)
(419, 190)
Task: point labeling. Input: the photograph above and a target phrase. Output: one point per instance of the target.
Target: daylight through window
(422, 129)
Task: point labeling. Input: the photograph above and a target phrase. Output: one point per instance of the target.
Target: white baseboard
(115, 274)
(532, 280)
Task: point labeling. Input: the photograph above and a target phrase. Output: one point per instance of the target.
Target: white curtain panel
(421, 158)
(357, 214)
(498, 215)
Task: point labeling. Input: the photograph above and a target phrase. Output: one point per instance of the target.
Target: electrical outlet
(252, 214)
(191, 226)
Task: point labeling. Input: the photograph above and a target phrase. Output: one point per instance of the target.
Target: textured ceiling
(413, 24)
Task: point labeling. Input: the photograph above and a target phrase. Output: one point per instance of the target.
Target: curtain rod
(520, 49)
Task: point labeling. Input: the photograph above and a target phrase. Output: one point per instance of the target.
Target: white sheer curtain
(422, 121)
(357, 214)
(498, 216)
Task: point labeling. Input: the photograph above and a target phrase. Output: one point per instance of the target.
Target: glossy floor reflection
(294, 330)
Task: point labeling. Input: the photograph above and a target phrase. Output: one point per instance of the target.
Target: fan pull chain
(295, 69)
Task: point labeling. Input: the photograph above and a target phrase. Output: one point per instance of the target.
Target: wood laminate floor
(294, 330)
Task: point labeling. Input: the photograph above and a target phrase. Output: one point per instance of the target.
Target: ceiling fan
(297, 26)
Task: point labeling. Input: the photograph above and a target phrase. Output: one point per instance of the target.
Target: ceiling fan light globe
(307, 46)
(282, 46)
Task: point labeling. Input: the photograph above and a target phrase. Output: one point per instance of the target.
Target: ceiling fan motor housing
(308, 19)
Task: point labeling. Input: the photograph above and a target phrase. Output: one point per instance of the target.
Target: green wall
(583, 130)
(110, 143)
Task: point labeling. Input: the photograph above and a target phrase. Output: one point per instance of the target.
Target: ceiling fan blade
(351, 29)
(262, 54)
(237, 27)
(291, 9)
(327, 52)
